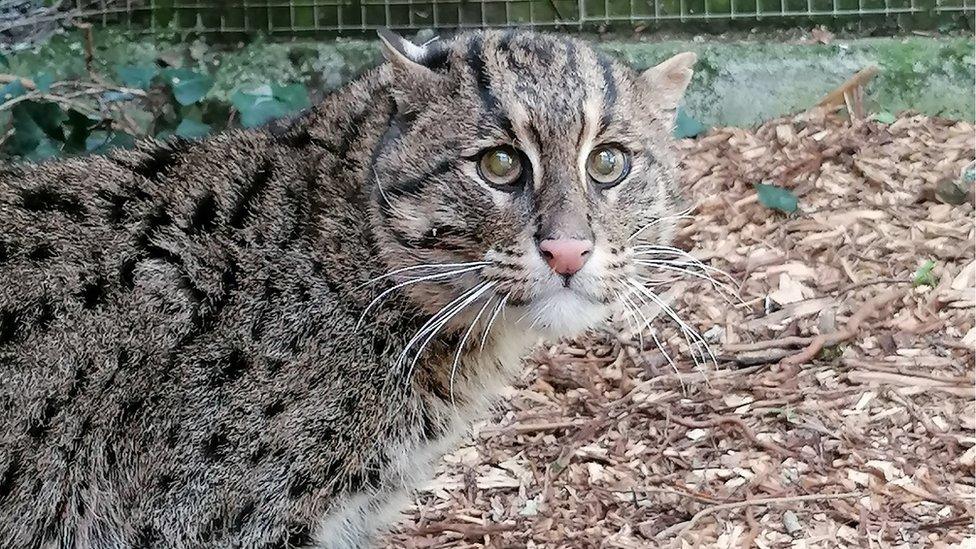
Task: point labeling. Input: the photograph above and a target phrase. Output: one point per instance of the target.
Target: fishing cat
(267, 337)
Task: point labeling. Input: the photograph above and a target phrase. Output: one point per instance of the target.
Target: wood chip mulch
(840, 411)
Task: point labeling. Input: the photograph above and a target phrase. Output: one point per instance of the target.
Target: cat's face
(524, 168)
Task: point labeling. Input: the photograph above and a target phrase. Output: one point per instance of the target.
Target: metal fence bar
(357, 16)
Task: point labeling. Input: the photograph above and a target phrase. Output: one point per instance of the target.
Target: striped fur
(186, 354)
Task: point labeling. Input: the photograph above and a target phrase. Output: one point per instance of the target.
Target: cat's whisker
(480, 290)
(388, 291)
(724, 289)
(681, 215)
(688, 332)
(424, 266)
(460, 349)
(653, 332)
(687, 258)
(437, 320)
(631, 316)
(494, 315)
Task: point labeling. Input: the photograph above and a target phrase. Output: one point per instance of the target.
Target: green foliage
(188, 86)
(137, 76)
(924, 276)
(267, 102)
(54, 120)
(777, 198)
(884, 117)
(685, 126)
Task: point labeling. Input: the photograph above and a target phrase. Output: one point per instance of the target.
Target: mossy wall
(736, 83)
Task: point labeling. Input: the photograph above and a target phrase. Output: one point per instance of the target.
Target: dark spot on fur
(244, 515)
(299, 487)
(9, 324)
(127, 273)
(273, 409)
(45, 312)
(159, 161)
(215, 446)
(259, 453)
(234, 366)
(274, 365)
(9, 478)
(115, 212)
(172, 436)
(148, 536)
(5, 252)
(213, 529)
(130, 410)
(39, 426)
(41, 252)
(77, 383)
(165, 482)
(92, 293)
(110, 457)
(243, 207)
(44, 199)
(204, 216)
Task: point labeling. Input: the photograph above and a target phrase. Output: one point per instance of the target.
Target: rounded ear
(669, 79)
(413, 80)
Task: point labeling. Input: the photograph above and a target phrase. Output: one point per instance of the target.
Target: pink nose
(565, 255)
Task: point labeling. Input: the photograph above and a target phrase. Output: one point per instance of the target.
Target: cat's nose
(566, 256)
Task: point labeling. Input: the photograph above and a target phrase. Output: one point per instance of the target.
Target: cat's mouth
(565, 311)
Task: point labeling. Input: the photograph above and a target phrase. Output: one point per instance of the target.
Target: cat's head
(523, 168)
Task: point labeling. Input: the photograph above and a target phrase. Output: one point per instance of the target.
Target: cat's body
(186, 354)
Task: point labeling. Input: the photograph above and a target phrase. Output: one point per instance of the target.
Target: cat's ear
(669, 80)
(407, 58)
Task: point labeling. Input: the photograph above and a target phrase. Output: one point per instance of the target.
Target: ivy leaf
(137, 76)
(27, 134)
(48, 116)
(43, 81)
(192, 129)
(79, 128)
(102, 141)
(188, 86)
(12, 90)
(923, 275)
(777, 198)
(685, 126)
(257, 108)
(884, 117)
(294, 96)
(46, 148)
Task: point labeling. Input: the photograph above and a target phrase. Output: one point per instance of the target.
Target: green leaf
(265, 103)
(686, 126)
(777, 198)
(188, 86)
(12, 90)
(48, 116)
(192, 129)
(137, 76)
(924, 276)
(884, 117)
(27, 134)
(100, 141)
(43, 81)
(79, 128)
(294, 96)
(46, 148)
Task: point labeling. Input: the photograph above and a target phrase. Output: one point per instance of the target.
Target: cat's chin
(565, 313)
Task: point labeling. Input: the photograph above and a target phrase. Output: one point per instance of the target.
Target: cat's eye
(608, 165)
(500, 166)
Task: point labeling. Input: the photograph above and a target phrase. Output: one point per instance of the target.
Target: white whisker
(425, 266)
(409, 282)
(498, 308)
(688, 332)
(464, 339)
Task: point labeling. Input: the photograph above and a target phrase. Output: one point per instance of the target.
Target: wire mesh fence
(361, 16)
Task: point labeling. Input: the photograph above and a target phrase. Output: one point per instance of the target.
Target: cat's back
(160, 312)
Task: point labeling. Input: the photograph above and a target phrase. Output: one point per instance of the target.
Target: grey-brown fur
(182, 358)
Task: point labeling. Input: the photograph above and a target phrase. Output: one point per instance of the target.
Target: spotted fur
(184, 355)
